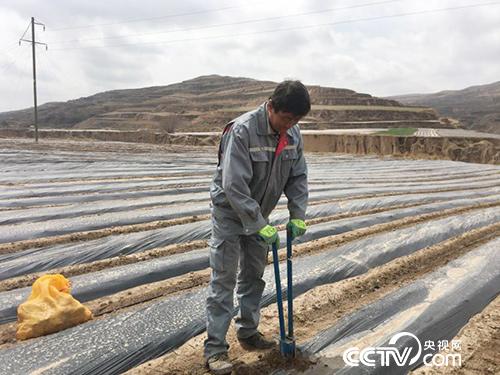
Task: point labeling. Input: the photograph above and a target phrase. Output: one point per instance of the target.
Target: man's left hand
(297, 227)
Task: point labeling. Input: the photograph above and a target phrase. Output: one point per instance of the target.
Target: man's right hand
(270, 235)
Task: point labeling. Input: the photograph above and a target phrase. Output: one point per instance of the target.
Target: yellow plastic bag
(50, 308)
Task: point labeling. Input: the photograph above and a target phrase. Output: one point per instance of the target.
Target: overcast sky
(370, 46)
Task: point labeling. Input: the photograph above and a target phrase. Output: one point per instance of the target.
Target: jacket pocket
(288, 158)
(217, 196)
(291, 154)
(259, 156)
(261, 164)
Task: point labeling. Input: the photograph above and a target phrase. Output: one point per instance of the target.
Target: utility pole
(33, 42)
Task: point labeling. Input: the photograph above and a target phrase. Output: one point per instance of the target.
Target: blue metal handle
(289, 291)
(279, 296)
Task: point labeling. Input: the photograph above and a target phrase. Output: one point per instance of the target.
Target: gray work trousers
(225, 254)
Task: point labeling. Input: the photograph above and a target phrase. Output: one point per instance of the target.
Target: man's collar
(264, 126)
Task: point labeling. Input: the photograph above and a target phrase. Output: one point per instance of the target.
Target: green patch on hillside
(398, 132)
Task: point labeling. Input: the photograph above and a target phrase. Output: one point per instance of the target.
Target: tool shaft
(279, 296)
(289, 282)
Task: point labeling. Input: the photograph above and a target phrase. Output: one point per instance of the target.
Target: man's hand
(297, 227)
(270, 235)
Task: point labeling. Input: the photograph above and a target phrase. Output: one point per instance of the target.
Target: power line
(27, 28)
(150, 19)
(233, 23)
(398, 15)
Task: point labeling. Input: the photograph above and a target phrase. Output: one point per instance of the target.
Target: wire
(286, 29)
(25, 31)
(150, 19)
(232, 23)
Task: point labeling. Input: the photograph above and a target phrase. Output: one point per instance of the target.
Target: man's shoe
(256, 341)
(219, 364)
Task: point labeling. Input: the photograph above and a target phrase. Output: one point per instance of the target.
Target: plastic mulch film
(25, 166)
(110, 207)
(433, 308)
(98, 215)
(171, 186)
(38, 260)
(112, 210)
(321, 177)
(36, 170)
(11, 233)
(174, 186)
(337, 189)
(97, 197)
(112, 280)
(98, 284)
(122, 341)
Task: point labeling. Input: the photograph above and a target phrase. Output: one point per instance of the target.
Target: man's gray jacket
(249, 180)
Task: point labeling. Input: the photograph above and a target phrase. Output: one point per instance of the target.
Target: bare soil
(320, 308)
(134, 297)
(479, 343)
(13, 247)
(95, 234)
(299, 250)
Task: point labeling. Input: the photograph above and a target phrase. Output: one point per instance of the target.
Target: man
(260, 157)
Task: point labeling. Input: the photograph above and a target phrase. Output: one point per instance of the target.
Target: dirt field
(128, 223)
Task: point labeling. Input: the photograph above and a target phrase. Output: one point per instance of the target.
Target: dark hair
(291, 96)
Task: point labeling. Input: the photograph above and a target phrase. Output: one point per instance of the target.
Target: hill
(206, 103)
(476, 107)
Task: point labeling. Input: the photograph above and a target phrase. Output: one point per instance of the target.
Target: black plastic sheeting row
(401, 177)
(356, 205)
(111, 214)
(112, 280)
(97, 284)
(120, 342)
(31, 215)
(101, 215)
(97, 197)
(37, 171)
(21, 165)
(47, 229)
(104, 187)
(84, 186)
(377, 168)
(337, 189)
(55, 190)
(64, 174)
(433, 308)
(37, 260)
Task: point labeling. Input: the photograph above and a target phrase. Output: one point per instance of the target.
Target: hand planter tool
(287, 342)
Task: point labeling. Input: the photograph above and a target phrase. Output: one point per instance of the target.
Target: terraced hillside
(207, 103)
(476, 107)
(393, 245)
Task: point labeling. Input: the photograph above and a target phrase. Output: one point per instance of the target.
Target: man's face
(281, 121)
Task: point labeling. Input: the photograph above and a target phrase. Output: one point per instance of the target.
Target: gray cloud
(421, 53)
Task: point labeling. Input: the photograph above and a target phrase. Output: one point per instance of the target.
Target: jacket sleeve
(236, 175)
(296, 187)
